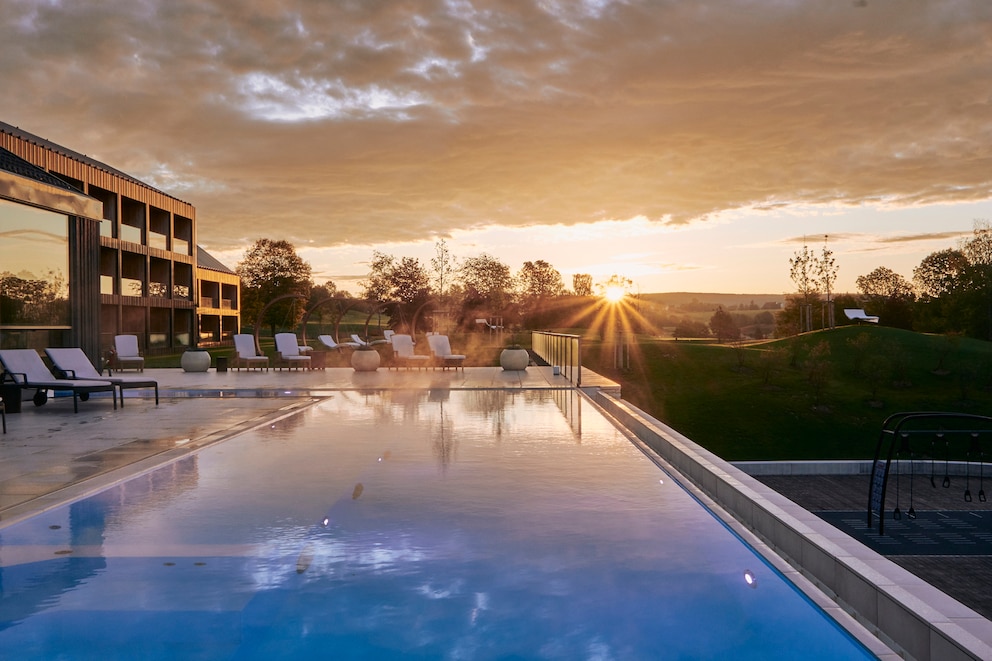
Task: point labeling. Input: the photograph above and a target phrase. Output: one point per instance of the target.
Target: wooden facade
(138, 266)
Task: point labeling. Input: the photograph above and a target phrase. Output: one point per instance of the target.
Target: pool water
(408, 524)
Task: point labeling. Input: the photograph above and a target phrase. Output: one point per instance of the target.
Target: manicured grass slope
(759, 402)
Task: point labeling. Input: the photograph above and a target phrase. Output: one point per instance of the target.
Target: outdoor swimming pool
(417, 524)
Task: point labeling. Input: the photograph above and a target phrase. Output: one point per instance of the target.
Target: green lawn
(760, 401)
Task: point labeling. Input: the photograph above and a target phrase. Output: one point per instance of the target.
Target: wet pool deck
(51, 454)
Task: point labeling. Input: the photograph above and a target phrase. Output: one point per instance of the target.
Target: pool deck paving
(966, 574)
(52, 455)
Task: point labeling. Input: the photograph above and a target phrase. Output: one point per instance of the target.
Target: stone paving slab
(966, 578)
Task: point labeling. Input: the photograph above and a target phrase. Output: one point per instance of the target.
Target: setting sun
(614, 294)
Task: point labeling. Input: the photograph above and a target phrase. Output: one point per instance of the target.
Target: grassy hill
(788, 399)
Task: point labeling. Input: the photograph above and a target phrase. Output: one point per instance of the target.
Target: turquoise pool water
(412, 524)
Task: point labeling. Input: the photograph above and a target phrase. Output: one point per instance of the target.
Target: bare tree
(802, 270)
(443, 267)
(582, 284)
(826, 272)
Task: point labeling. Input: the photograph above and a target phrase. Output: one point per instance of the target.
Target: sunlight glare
(614, 294)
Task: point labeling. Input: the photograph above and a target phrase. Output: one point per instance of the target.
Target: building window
(34, 267)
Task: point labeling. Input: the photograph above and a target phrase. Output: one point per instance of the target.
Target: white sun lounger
(857, 314)
(329, 343)
(75, 365)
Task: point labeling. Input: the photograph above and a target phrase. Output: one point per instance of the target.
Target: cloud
(925, 237)
(360, 123)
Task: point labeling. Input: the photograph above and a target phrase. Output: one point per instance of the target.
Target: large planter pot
(365, 361)
(514, 359)
(195, 360)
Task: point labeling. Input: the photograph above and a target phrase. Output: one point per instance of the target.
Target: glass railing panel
(131, 287)
(130, 233)
(158, 241)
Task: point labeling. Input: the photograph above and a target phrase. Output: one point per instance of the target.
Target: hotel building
(88, 252)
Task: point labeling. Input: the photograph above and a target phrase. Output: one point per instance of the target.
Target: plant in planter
(365, 359)
(514, 357)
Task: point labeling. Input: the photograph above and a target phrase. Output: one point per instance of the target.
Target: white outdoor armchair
(288, 352)
(246, 353)
(441, 350)
(128, 355)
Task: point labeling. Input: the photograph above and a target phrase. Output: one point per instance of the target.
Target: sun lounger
(246, 355)
(857, 314)
(25, 368)
(73, 364)
(288, 352)
(441, 350)
(363, 343)
(329, 343)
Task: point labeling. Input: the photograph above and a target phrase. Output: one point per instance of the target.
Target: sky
(688, 146)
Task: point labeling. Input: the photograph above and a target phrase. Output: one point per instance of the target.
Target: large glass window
(34, 267)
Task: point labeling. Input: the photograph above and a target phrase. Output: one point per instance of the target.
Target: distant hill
(712, 300)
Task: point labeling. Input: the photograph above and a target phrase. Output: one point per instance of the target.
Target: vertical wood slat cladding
(63, 164)
(84, 278)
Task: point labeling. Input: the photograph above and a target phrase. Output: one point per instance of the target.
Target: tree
(409, 281)
(889, 295)
(582, 284)
(320, 293)
(802, 270)
(539, 280)
(978, 280)
(689, 328)
(939, 274)
(443, 267)
(271, 269)
(487, 283)
(377, 286)
(403, 284)
(723, 325)
(826, 273)
(955, 286)
(883, 283)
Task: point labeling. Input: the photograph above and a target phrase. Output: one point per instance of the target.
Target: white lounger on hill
(857, 314)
